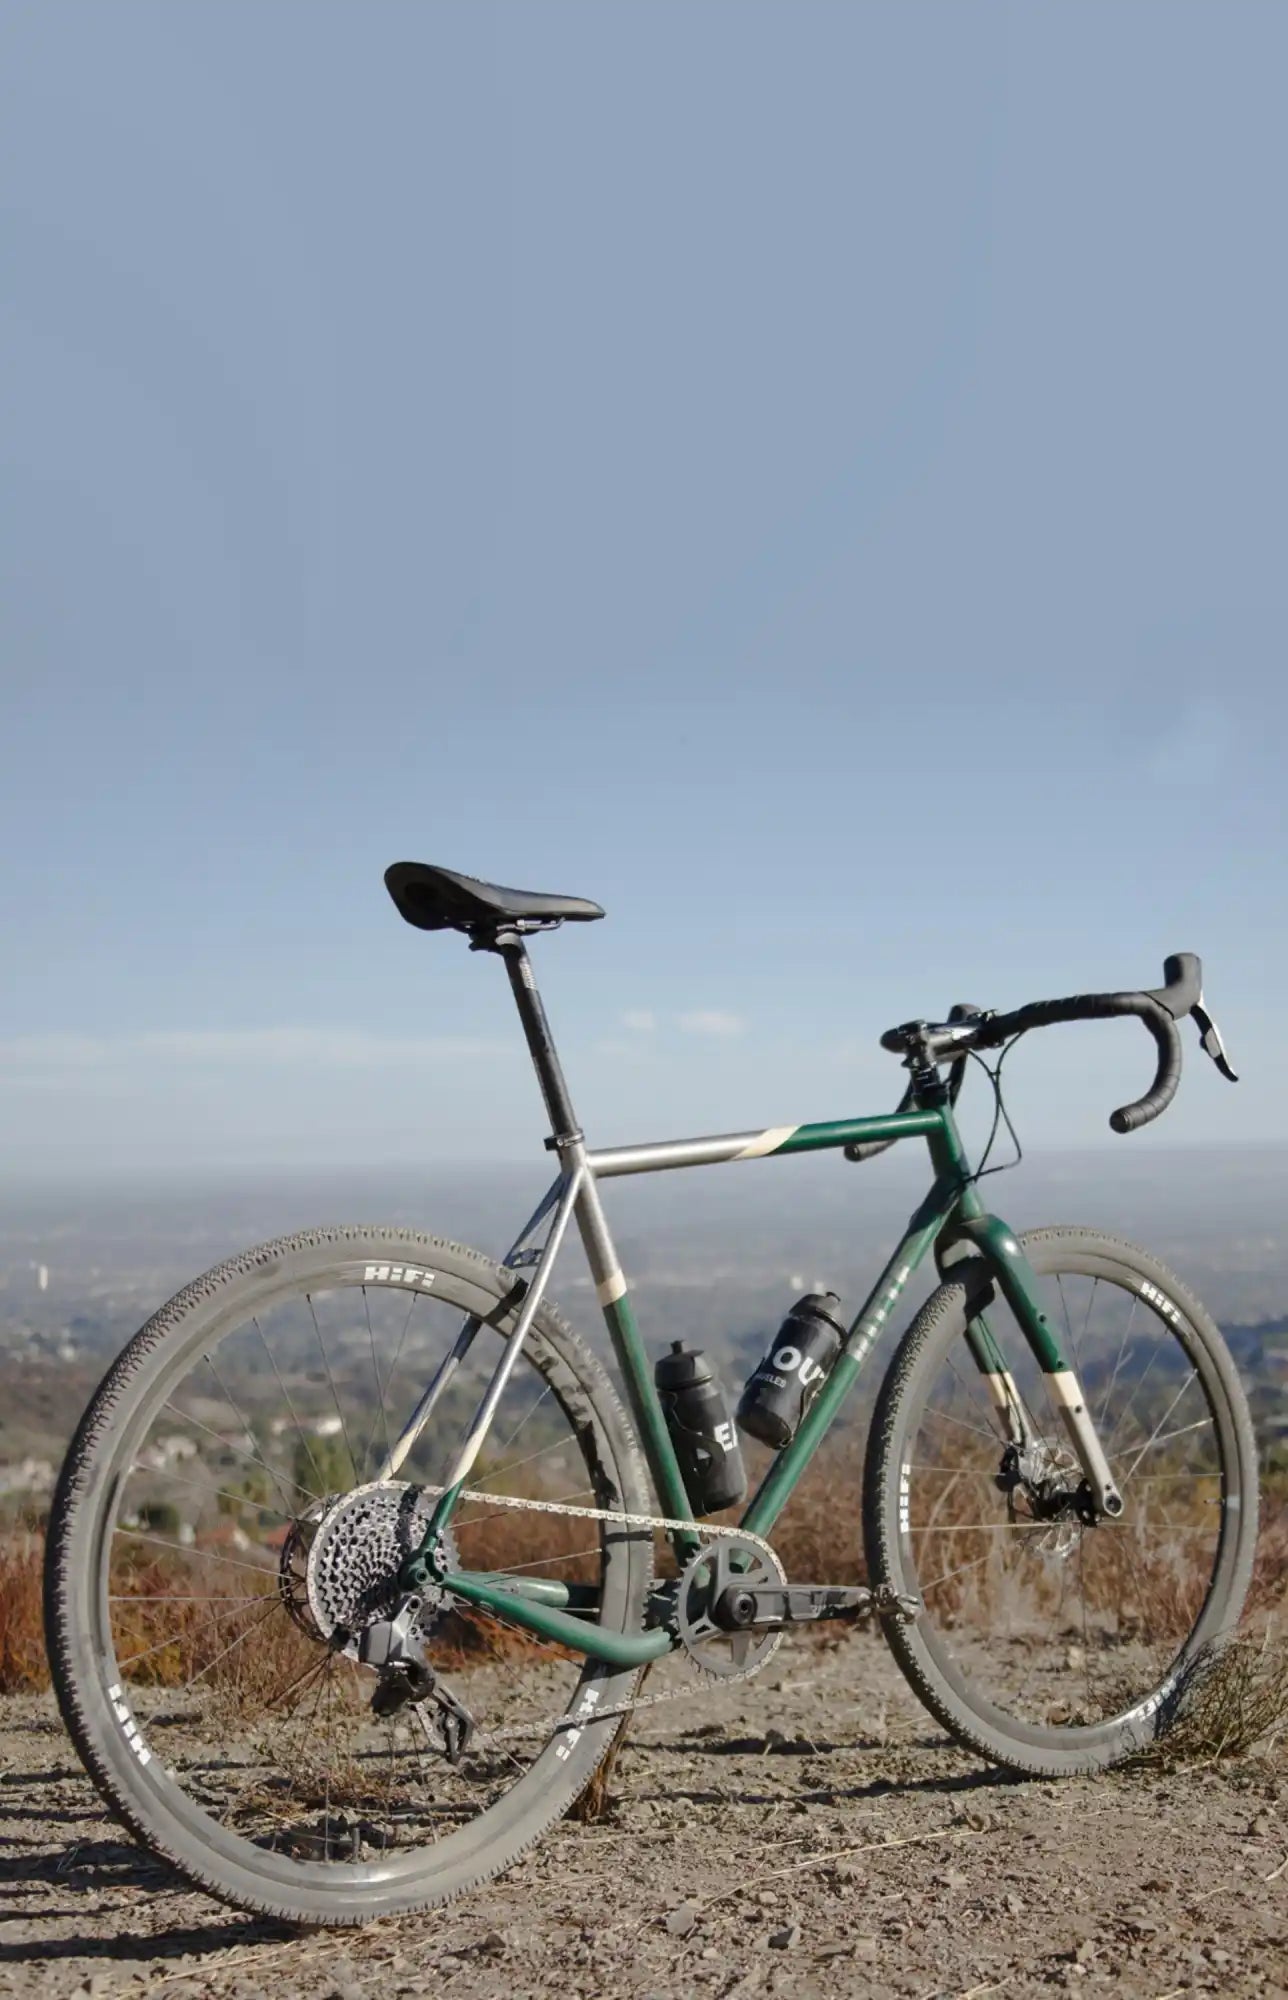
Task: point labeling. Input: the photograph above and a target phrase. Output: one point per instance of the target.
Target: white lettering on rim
(398, 1274)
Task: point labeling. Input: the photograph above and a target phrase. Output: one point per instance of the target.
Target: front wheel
(221, 1537)
(1050, 1642)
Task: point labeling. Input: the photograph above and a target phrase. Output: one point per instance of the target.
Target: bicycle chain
(708, 1682)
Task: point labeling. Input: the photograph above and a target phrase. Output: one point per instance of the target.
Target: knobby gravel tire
(157, 1810)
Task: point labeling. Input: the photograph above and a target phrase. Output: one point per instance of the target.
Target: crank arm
(742, 1609)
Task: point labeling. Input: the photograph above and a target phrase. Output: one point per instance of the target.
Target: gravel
(763, 1839)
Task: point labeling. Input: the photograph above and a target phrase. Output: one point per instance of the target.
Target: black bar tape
(1157, 1098)
(1099, 1007)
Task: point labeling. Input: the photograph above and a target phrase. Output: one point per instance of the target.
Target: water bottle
(783, 1387)
(697, 1416)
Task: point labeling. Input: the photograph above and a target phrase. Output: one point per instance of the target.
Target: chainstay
(706, 1683)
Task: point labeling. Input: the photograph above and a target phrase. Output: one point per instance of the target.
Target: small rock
(1262, 1826)
(494, 1942)
(864, 1947)
(1014, 1903)
(681, 1919)
(786, 1939)
(766, 1898)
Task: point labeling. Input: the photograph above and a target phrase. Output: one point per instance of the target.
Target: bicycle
(389, 1651)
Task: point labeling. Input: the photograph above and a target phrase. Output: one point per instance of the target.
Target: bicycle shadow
(764, 1752)
(91, 1873)
(189, 1941)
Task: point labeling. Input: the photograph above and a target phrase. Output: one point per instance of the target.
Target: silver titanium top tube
(660, 1154)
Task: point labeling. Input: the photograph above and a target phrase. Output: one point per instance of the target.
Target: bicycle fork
(1007, 1263)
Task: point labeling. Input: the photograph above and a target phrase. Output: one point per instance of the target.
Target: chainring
(734, 1560)
(341, 1562)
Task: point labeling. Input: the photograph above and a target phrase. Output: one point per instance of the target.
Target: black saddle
(435, 899)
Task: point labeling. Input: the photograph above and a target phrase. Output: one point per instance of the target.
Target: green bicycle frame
(951, 1211)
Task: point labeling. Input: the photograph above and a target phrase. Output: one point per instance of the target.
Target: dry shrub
(165, 1635)
(1269, 1588)
(1233, 1699)
(23, 1666)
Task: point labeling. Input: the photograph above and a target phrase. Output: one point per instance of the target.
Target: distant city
(714, 1257)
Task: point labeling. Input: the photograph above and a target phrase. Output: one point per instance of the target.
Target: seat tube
(568, 1141)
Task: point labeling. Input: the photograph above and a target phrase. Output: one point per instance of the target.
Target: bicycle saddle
(436, 899)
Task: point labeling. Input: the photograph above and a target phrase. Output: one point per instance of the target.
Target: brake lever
(1210, 1035)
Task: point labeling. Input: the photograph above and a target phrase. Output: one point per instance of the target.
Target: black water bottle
(705, 1440)
(783, 1387)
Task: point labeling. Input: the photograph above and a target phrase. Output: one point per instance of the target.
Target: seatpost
(564, 1129)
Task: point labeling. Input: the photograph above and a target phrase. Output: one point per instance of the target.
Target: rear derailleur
(404, 1676)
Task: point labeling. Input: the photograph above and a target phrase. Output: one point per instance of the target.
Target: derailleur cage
(404, 1676)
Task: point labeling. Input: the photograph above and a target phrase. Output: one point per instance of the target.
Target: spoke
(961, 1570)
(240, 1640)
(312, 1672)
(974, 1400)
(235, 1449)
(326, 1363)
(247, 1428)
(220, 1492)
(177, 1638)
(524, 1419)
(543, 1562)
(265, 1570)
(1193, 1376)
(1131, 1400)
(173, 1597)
(301, 1433)
(1122, 1351)
(943, 1417)
(544, 1451)
(1152, 1444)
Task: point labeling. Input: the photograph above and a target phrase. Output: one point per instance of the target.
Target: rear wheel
(205, 1566)
(1048, 1643)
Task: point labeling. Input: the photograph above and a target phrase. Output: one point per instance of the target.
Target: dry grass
(23, 1666)
(1233, 1700)
(173, 1622)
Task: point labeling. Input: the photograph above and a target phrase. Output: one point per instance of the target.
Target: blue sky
(808, 477)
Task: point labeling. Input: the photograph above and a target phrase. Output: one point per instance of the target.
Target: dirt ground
(809, 1833)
